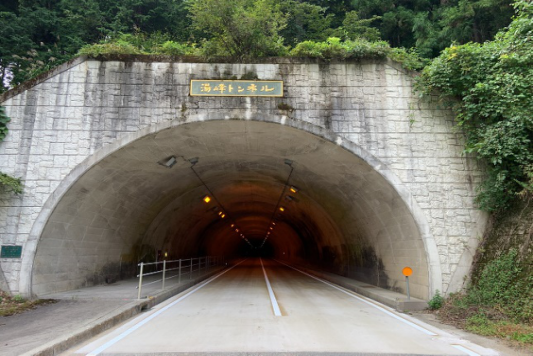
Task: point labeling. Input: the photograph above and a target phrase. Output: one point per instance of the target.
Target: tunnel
(234, 188)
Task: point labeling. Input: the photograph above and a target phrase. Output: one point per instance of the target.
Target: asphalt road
(273, 309)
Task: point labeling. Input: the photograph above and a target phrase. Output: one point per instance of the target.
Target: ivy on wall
(489, 87)
(6, 181)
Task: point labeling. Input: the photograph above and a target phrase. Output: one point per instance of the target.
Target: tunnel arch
(400, 197)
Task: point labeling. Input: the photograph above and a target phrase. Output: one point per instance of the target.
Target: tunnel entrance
(148, 196)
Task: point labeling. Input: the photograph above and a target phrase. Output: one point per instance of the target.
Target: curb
(389, 298)
(126, 312)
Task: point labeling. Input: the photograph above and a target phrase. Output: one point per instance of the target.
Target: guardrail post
(140, 281)
(179, 272)
(164, 270)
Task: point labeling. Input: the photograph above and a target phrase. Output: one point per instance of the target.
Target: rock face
(383, 180)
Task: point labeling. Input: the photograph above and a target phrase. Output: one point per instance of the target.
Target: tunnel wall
(63, 122)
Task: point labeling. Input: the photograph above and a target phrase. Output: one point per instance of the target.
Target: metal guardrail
(182, 268)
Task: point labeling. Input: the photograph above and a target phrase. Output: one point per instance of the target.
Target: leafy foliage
(409, 59)
(502, 285)
(498, 303)
(239, 28)
(38, 35)
(357, 28)
(305, 22)
(334, 48)
(6, 181)
(138, 43)
(436, 302)
(9, 183)
(4, 119)
(489, 86)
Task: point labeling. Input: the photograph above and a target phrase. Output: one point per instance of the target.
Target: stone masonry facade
(72, 112)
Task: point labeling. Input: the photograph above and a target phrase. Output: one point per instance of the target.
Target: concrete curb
(126, 312)
(389, 298)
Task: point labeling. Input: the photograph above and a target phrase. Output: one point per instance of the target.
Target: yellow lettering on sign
(206, 88)
(265, 88)
(221, 88)
(252, 88)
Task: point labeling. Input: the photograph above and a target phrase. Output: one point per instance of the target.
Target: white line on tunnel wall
(137, 326)
(273, 300)
(418, 327)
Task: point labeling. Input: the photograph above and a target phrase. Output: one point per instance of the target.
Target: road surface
(263, 306)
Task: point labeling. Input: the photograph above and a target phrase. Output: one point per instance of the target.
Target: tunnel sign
(267, 88)
(11, 252)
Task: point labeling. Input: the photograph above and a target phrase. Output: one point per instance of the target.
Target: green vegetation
(489, 87)
(17, 304)
(436, 302)
(239, 28)
(334, 48)
(498, 303)
(7, 182)
(38, 35)
(4, 119)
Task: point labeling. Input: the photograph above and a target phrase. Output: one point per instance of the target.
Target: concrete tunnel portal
(346, 217)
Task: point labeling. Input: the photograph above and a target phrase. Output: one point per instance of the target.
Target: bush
(19, 299)
(176, 49)
(409, 59)
(436, 302)
(334, 48)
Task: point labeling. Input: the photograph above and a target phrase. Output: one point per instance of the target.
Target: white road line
(465, 350)
(273, 300)
(351, 294)
(137, 326)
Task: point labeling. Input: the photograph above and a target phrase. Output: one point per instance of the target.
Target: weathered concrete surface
(382, 178)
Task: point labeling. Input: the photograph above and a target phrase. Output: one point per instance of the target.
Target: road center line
(273, 300)
(137, 326)
(418, 327)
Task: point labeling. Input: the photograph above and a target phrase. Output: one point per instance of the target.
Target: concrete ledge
(390, 298)
(126, 312)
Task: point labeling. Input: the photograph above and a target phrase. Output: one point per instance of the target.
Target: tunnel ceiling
(128, 200)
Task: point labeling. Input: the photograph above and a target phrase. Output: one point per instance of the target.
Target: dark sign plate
(11, 252)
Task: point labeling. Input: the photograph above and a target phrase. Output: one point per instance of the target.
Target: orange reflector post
(407, 271)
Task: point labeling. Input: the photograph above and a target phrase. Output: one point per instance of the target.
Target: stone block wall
(62, 119)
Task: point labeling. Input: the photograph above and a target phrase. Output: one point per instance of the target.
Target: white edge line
(465, 350)
(418, 327)
(137, 326)
(273, 300)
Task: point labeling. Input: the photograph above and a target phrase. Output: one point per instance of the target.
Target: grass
(487, 321)
(10, 305)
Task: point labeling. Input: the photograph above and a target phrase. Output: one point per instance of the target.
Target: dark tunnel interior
(275, 192)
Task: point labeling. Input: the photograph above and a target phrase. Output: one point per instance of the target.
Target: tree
(305, 22)
(239, 28)
(356, 28)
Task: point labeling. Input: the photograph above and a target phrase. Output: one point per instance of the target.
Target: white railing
(184, 268)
